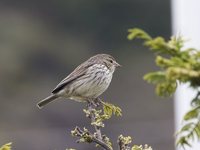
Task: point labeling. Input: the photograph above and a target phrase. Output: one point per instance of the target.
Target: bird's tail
(47, 100)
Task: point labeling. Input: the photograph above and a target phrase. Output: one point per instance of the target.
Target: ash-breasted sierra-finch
(88, 81)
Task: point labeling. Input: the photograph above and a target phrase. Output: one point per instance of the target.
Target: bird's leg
(98, 101)
(94, 102)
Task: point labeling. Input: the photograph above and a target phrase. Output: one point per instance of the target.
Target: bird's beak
(117, 65)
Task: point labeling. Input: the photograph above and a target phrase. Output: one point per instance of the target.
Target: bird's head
(107, 60)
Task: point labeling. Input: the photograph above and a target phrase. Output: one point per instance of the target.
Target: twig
(97, 137)
(91, 106)
(91, 138)
(85, 135)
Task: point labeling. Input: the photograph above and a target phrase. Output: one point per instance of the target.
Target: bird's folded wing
(77, 73)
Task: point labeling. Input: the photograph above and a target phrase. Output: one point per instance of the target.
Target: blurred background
(43, 41)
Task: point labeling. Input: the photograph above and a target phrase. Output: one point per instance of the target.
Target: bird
(87, 82)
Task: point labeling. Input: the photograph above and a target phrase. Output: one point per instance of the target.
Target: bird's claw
(94, 102)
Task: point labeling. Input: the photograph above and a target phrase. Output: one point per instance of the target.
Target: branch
(86, 136)
(98, 111)
(96, 117)
(91, 108)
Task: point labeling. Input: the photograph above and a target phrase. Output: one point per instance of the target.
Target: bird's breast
(96, 81)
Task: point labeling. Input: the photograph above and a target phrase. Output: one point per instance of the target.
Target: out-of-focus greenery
(177, 65)
(6, 147)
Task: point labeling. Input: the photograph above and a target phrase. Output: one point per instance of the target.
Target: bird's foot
(97, 101)
(94, 102)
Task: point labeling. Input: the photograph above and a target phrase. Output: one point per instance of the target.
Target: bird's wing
(77, 73)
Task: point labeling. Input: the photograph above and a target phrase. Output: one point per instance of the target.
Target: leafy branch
(98, 111)
(191, 129)
(97, 117)
(177, 65)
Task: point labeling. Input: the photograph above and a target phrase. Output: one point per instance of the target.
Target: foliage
(177, 65)
(124, 143)
(98, 112)
(6, 146)
(103, 114)
(191, 129)
(140, 147)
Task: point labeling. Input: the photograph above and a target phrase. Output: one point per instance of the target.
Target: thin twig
(102, 143)
(97, 137)
(94, 139)
(91, 107)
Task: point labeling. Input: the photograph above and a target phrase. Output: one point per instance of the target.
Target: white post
(186, 22)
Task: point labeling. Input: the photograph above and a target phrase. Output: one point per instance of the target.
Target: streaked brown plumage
(88, 81)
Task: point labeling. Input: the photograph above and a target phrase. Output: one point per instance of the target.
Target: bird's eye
(111, 61)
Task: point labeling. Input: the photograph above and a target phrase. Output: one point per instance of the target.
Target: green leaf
(187, 127)
(166, 89)
(197, 131)
(138, 33)
(187, 133)
(192, 114)
(155, 77)
(182, 142)
(163, 62)
(158, 45)
(110, 109)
